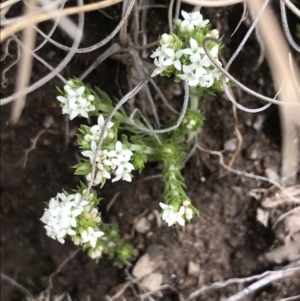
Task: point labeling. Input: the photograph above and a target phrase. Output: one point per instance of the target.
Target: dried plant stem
(279, 63)
(16, 285)
(215, 3)
(24, 65)
(8, 31)
(130, 94)
(266, 277)
(263, 282)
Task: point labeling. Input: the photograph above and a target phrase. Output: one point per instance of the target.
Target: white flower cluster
(60, 217)
(65, 213)
(171, 216)
(115, 161)
(191, 20)
(75, 103)
(96, 130)
(191, 62)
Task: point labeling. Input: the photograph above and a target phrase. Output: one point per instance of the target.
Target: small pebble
(230, 145)
(143, 225)
(193, 269)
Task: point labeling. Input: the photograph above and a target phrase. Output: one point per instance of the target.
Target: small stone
(262, 216)
(152, 282)
(48, 122)
(143, 225)
(143, 267)
(193, 269)
(257, 125)
(230, 145)
(272, 174)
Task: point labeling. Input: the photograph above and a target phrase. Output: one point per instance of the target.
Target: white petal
(177, 65)
(61, 99)
(80, 90)
(193, 43)
(126, 177)
(168, 62)
(185, 15)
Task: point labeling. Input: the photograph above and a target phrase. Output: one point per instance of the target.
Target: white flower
(214, 33)
(189, 75)
(160, 51)
(160, 67)
(120, 158)
(192, 20)
(170, 216)
(167, 39)
(173, 59)
(74, 102)
(96, 252)
(60, 217)
(100, 174)
(95, 130)
(91, 236)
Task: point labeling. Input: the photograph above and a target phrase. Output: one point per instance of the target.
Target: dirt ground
(225, 241)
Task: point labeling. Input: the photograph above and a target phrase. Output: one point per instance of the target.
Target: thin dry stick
(130, 94)
(60, 267)
(16, 285)
(114, 48)
(243, 87)
(216, 285)
(8, 31)
(262, 282)
(163, 287)
(241, 20)
(6, 69)
(279, 63)
(294, 298)
(215, 3)
(24, 66)
(62, 64)
(34, 142)
(5, 6)
(170, 15)
(284, 215)
(40, 60)
(178, 122)
(285, 26)
(292, 7)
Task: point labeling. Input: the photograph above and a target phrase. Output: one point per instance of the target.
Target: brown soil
(225, 240)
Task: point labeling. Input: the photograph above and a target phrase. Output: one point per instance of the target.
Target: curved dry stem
(8, 31)
(170, 15)
(24, 66)
(276, 275)
(215, 3)
(114, 48)
(292, 7)
(62, 64)
(147, 123)
(279, 63)
(243, 87)
(104, 41)
(285, 26)
(130, 94)
(242, 19)
(37, 57)
(180, 118)
(6, 69)
(15, 284)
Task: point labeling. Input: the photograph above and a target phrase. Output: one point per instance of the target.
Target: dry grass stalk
(10, 30)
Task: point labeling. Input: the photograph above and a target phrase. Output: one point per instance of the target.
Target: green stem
(145, 149)
(194, 100)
